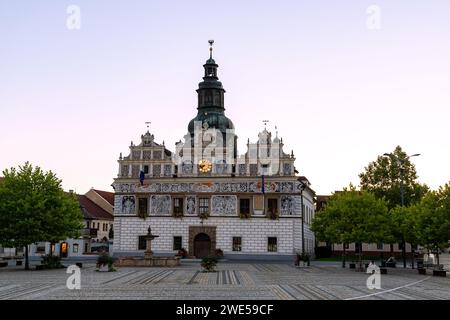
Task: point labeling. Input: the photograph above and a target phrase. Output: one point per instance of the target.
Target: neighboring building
(370, 249)
(204, 197)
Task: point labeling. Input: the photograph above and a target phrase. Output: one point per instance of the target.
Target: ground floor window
(40, 248)
(142, 244)
(272, 244)
(75, 248)
(177, 243)
(379, 246)
(237, 244)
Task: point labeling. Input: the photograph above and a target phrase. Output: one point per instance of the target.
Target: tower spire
(211, 42)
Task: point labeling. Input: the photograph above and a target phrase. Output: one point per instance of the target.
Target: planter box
(103, 268)
(439, 273)
(3, 264)
(422, 271)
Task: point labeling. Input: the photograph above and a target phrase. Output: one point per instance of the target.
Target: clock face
(204, 166)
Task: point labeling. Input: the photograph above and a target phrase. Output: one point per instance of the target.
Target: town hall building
(205, 198)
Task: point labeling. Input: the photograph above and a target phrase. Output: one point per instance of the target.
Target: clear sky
(341, 91)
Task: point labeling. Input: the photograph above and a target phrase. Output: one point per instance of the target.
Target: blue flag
(141, 177)
(262, 184)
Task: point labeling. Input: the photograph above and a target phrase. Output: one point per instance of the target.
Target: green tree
(353, 216)
(434, 220)
(404, 226)
(34, 208)
(386, 176)
(393, 177)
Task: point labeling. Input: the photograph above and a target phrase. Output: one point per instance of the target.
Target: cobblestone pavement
(232, 281)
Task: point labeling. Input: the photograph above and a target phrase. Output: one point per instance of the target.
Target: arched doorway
(202, 245)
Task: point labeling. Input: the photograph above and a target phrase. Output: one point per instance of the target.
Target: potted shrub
(272, 214)
(209, 264)
(245, 215)
(219, 253)
(105, 263)
(182, 253)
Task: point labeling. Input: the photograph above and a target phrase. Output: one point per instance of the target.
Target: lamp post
(401, 163)
(302, 188)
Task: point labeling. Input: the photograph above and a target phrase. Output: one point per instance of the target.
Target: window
(178, 205)
(203, 205)
(75, 248)
(40, 248)
(237, 244)
(177, 243)
(379, 246)
(88, 224)
(244, 206)
(146, 169)
(272, 244)
(272, 205)
(106, 227)
(143, 206)
(142, 244)
(346, 246)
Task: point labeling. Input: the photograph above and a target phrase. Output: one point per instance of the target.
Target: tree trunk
(412, 256)
(27, 265)
(437, 258)
(392, 249)
(404, 253)
(343, 258)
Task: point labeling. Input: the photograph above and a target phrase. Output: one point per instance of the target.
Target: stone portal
(202, 241)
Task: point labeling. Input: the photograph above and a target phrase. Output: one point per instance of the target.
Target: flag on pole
(141, 177)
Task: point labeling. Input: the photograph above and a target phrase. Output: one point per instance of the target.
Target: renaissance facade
(204, 196)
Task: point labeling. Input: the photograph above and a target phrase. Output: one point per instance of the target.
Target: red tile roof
(93, 211)
(108, 196)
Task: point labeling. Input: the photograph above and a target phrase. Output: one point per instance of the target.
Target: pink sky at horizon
(339, 93)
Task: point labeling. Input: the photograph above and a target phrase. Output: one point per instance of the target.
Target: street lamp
(302, 188)
(401, 163)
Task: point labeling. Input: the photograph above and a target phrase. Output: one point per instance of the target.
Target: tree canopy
(433, 215)
(353, 216)
(34, 207)
(385, 176)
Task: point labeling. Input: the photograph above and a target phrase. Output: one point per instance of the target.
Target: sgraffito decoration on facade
(190, 205)
(209, 187)
(287, 205)
(160, 204)
(128, 205)
(224, 205)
